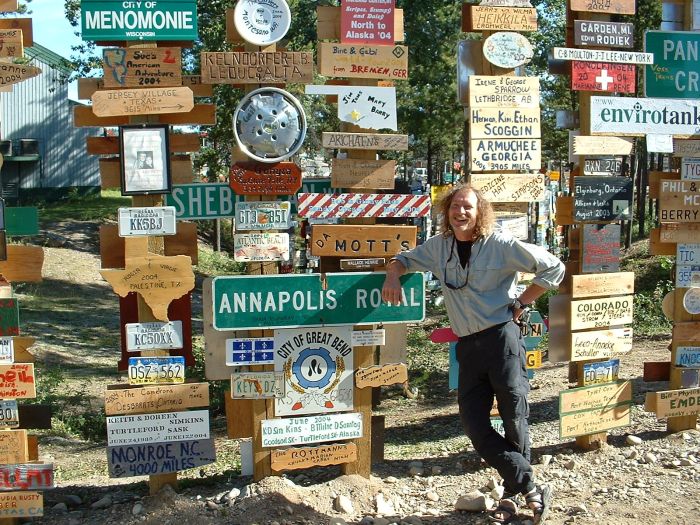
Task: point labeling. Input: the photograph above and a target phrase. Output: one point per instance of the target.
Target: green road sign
(249, 302)
(22, 221)
(674, 73)
(203, 201)
(139, 20)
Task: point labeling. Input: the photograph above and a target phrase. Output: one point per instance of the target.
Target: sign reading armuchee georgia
(367, 22)
(256, 178)
(351, 205)
(202, 201)
(106, 20)
(596, 76)
(160, 66)
(674, 73)
(642, 116)
(256, 67)
(599, 33)
(505, 154)
(503, 92)
(358, 61)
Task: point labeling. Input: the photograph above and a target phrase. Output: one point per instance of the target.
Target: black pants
(492, 362)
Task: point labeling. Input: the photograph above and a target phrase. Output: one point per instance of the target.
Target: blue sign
(250, 351)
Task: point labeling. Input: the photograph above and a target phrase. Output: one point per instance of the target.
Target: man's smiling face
(462, 214)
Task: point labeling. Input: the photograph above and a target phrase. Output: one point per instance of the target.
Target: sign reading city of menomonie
(105, 20)
(245, 302)
(642, 116)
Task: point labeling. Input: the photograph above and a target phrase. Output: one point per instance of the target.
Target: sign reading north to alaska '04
(105, 20)
(505, 154)
(642, 116)
(245, 302)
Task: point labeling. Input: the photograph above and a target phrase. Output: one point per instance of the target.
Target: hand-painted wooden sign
(687, 357)
(597, 284)
(365, 141)
(153, 459)
(591, 398)
(593, 421)
(602, 372)
(9, 414)
(149, 101)
(13, 447)
(162, 398)
(156, 370)
(642, 116)
(602, 198)
(17, 381)
(258, 247)
(679, 232)
(254, 178)
(250, 351)
(257, 67)
(244, 302)
(368, 337)
(690, 168)
(602, 55)
(262, 215)
(132, 68)
(508, 50)
(23, 264)
(365, 107)
(159, 280)
(32, 476)
(21, 504)
(11, 43)
(141, 222)
(24, 25)
(673, 403)
(600, 249)
(317, 364)
(257, 385)
(351, 205)
(361, 241)
(492, 18)
(14, 73)
(601, 313)
(587, 145)
(362, 264)
(363, 61)
(503, 92)
(153, 336)
(504, 122)
(686, 148)
(356, 173)
(505, 154)
(597, 76)
(367, 22)
(603, 34)
(8, 6)
(611, 7)
(306, 457)
(501, 187)
(311, 429)
(381, 375)
(600, 344)
(679, 201)
(88, 86)
(157, 427)
(602, 166)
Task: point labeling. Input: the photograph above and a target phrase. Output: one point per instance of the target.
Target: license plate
(9, 414)
(134, 222)
(605, 372)
(156, 370)
(272, 215)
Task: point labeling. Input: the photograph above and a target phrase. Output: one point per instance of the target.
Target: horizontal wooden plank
(328, 23)
(498, 18)
(142, 101)
(673, 403)
(655, 181)
(142, 67)
(163, 398)
(365, 141)
(180, 170)
(659, 247)
(599, 284)
(509, 187)
(251, 67)
(349, 60)
(565, 210)
(687, 332)
(23, 263)
(25, 24)
(202, 114)
(306, 457)
(88, 86)
(177, 142)
(8, 6)
(358, 173)
(361, 241)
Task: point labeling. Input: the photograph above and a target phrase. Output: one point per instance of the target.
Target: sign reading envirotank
(247, 302)
(641, 116)
(139, 20)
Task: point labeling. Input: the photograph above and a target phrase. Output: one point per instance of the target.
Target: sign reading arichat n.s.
(105, 20)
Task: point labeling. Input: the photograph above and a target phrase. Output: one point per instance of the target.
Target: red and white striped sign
(350, 205)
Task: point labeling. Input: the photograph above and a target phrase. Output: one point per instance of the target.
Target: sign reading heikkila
(244, 302)
(107, 20)
(675, 72)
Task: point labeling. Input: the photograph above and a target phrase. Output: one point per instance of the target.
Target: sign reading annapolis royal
(245, 302)
(139, 20)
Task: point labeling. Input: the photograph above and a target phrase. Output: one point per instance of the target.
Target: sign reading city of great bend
(596, 284)
(507, 50)
(202, 201)
(492, 18)
(311, 429)
(114, 20)
(317, 365)
(504, 122)
(142, 222)
(611, 7)
(600, 344)
(21, 504)
(361, 241)
(673, 403)
(15, 73)
(161, 398)
(157, 427)
(17, 381)
(601, 313)
(243, 351)
(369, 141)
(257, 67)
(259, 247)
(510, 187)
(257, 385)
(504, 92)
(675, 72)
(602, 55)
(153, 336)
(603, 34)
(30, 476)
(353, 205)
(244, 302)
(363, 106)
(505, 154)
(262, 215)
(159, 458)
(599, 76)
(133, 68)
(363, 61)
(257, 178)
(679, 201)
(643, 116)
(146, 101)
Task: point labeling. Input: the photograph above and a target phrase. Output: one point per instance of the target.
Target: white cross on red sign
(603, 79)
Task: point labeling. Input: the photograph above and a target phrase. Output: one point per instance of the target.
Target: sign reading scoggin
(163, 20)
(642, 116)
(246, 302)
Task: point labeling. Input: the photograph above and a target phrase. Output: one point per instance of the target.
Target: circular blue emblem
(314, 368)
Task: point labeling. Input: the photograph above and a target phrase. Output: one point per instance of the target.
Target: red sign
(257, 178)
(367, 22)
(597, 76)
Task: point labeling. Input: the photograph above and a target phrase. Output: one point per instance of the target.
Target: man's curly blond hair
(485, 217)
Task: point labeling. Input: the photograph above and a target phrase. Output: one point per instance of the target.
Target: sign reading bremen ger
(246, 302)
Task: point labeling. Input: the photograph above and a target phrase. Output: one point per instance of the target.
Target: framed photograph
(145, 159)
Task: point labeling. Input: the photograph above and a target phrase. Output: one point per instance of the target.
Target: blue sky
(51, 29)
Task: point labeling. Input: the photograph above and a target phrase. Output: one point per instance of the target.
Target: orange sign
(256, 178)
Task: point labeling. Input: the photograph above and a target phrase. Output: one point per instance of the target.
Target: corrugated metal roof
(49, 58)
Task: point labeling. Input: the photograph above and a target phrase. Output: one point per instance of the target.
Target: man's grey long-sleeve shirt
(490, 276)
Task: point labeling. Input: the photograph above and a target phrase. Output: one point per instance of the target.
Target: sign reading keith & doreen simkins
(497, 92)
(133, 68)
(361, 241)
(163, 398)
(357, 173)
(363, 61)
(157, 427)
(306, 457)
(600, 344)
(510, 187)
(142, 101)
(255, 67)
(371, 141)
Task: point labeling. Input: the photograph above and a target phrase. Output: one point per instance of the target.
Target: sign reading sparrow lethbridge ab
(641, 116)
(162, 20)
(675, 72)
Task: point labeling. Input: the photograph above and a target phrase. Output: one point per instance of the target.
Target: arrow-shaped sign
(15, 73)
(148, 101)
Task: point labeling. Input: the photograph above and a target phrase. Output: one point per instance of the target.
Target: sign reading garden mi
(245, 302)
